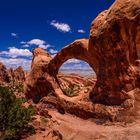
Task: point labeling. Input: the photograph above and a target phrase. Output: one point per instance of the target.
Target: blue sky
(49, 24)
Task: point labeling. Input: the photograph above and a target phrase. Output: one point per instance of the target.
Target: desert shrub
(20, 87)
(69, 91)
(17, 86)
(14, 117)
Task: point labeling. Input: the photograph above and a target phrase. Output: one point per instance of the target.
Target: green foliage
(14, 117)
(17, 86)
(69, 91)
(20, 87)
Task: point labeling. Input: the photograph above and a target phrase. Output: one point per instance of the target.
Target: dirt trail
(74, 128)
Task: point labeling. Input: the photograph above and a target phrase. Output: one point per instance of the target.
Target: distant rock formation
(4, 76)
(112, 51)
(7, 76)
(19, 74)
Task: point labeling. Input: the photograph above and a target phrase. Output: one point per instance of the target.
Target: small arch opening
(76, 78)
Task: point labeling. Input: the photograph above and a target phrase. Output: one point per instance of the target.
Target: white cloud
(53, 55)
(72, 61)
(43, 46)
(81, 31)
(70, 67)
(25, 46)
(64, 27)
(75, 67)
(15, 62)
(15, 52)
(75, 64)
(14, 34)
(22, 42)
(36, 42)
(52, 51)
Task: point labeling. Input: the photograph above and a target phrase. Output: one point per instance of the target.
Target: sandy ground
(74, 128)
(69, 127)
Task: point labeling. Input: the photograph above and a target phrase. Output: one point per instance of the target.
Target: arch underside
(76, 50)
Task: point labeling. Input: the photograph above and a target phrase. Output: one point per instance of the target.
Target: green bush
(69, 91)
(17, 86)
(14, 117)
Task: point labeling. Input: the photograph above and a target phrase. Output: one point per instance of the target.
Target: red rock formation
(77, 50)
(112, 51)
(19, 74)
(4, 77)
(11, 74)
(39, 83)
(114, 42)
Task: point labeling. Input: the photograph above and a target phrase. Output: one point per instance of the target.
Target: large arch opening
(76, 78)
(79, 67)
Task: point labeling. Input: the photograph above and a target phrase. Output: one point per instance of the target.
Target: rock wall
(115, 42)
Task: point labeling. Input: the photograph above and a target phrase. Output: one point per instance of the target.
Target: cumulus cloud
(36, 42)
(22, 42)
(14, 34)
(25, 46)
(63, 27)
(52, 51)
(81, 31)
(44, 46)
(75, 67)
(71, 67)
(15, 52)
(72, 61)
(15, 62)
(74, 64)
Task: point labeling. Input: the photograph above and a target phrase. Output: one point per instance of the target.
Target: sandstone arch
(112, 52)
(76, 50)
(42, 78)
